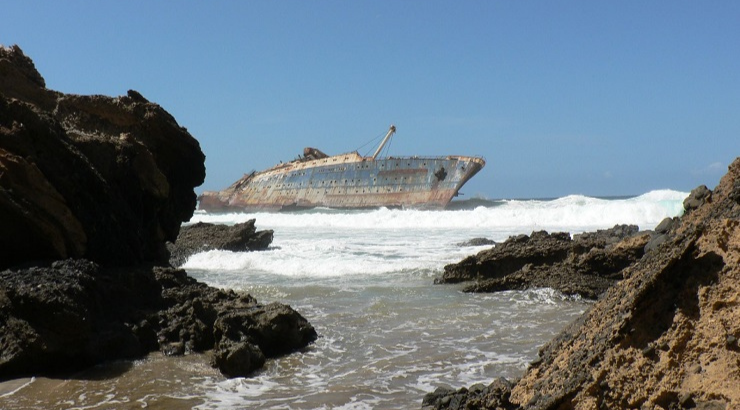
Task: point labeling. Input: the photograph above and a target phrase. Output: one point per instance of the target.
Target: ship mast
(387, 136)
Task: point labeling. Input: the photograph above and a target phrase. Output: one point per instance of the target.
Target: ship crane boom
(391, 131)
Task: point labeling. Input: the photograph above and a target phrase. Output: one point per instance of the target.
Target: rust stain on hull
(348, 181)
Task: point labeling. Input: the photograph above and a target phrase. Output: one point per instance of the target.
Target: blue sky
(560, 97)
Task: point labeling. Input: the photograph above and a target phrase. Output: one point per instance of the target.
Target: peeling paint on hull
(348, 181)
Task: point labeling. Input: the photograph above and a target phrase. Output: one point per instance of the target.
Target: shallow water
(397, 343)
(364, 280)
(392, 346)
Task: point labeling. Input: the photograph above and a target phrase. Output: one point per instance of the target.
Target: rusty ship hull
(348, 181)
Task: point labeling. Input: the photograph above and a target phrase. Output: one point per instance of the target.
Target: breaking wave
(573, 213)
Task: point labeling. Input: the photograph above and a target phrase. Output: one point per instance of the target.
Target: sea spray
(570, 213)
(329, 243)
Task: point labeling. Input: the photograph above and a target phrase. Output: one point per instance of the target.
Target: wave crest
(573, 213)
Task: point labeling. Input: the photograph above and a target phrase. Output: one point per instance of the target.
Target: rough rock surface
(244, 337)
(91, 188)
(665, 337)
(73, 314)
(697, 198)
(586, 265)
(95, 177)
(202, 237)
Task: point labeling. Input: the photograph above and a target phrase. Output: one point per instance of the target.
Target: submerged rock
(477, 242)
(201, 237)
(664, 337)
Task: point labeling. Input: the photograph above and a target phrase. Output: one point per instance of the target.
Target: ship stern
(211, 201)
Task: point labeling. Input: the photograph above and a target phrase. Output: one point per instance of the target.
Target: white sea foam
(573, 212)
(10, 388)
(388, 335)
(329, 243)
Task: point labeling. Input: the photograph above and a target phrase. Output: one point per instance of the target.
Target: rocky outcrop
(95, 177)
(698, 197)
(245, 337)
(661, 232)
(665, 337)
(73, 314)
(586, 265)
(201, 237)
(91, 189)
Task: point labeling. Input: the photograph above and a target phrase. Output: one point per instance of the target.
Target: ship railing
(430, 157)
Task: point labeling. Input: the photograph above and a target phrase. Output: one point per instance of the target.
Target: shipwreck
(348, 180)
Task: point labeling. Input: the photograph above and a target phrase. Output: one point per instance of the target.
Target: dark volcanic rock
(107, 179)
(661, 233)
(494, 396)
(663, 337)
(202, 237)
(58, 318)
(604, 237)
(509, 256)
(73, 314)
(697, 198)
(246, 336)
(99, 184)
(560, 277)
(585, 265)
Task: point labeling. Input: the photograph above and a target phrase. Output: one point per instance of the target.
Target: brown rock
(659, 338)
(682, 300)
(107, 179)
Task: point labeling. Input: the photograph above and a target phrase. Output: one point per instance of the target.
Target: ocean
(364, 279)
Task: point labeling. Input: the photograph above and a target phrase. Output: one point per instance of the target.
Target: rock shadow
(672, 290)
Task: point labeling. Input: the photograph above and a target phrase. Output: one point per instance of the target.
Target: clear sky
(561, 97)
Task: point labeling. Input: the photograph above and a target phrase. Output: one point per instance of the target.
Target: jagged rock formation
(107, 179)
(665, 337)
(586, 265)
(74, 313)
(201, 237)
(91, 188)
